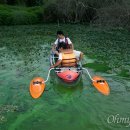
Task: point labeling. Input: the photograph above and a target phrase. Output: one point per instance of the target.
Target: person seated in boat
(67, 57)
(61, 38)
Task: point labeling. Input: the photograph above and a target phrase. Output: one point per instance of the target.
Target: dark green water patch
(124, 73)
(98, 67)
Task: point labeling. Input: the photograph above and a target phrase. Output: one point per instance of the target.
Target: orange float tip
(37, 87)
(101, 85)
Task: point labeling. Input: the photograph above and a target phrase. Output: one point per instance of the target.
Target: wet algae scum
(24, 54)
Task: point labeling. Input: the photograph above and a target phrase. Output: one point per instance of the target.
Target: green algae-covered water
(24, 54)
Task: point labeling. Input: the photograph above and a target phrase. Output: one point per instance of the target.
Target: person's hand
(52, 67)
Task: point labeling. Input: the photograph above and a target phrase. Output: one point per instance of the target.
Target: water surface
(24, 54)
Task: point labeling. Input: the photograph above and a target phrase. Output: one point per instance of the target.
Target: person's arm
(70, 44)
(81, 56)
(56, 64)
(54, 45)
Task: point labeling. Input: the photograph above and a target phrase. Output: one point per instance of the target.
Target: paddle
(99, 83)
(37, 86)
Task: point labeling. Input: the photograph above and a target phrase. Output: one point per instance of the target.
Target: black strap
(57, 69)
(37, 82)
(100, 81)
(66, 41)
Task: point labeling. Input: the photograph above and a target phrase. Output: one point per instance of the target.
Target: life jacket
(66, 41)
(68, 59)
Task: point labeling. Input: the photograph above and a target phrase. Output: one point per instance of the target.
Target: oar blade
(37, 87)
(101, 85)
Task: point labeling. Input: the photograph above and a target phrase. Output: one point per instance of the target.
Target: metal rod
(88, 74)
(48, 75)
